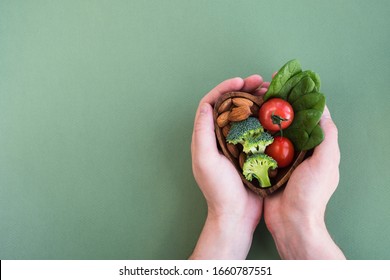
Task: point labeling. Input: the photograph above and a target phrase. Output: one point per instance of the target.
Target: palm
(308, 190)
(215, 174)
(229, 196)
(295, 197)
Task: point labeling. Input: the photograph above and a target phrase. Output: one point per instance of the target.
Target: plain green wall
(97, 100)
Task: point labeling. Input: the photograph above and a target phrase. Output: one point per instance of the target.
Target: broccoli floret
(257, 166)
(258, 143)
(241, 131)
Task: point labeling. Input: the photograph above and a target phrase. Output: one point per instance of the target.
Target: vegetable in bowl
(254, 140)
(257, 166)
(266, 137)
(302, 90)
(250, 134)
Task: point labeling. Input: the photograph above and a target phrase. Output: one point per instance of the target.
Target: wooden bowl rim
(285, 173)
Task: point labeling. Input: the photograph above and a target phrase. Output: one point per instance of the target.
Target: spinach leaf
(314, 100)
(304, 131)
(315, 138)
(287, 71)
(298, 136)
(306, 119)
(305, 85)
(301, 90)
(290, 84)
(316, 79)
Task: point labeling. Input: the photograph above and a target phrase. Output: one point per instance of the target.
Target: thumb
(328, 152)
(203, 137)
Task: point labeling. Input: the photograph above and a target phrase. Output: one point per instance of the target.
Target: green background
(97, 100)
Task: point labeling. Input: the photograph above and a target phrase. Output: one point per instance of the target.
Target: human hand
(295, 216)
(233, 210)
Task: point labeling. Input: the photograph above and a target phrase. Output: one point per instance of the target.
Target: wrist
(305, 238)
(224, 237)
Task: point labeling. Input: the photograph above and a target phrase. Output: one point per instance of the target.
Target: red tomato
(281, 150)
(275, 112)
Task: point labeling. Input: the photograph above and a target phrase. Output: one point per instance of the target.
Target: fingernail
(239, 80)
(326, 113)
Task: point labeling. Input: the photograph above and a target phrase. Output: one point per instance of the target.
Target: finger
(252, 83)
(328, 151)
(260, 91)
(265, 85)
(224, 87)
(203, 137)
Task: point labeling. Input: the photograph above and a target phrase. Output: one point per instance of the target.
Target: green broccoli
(241, 131)
(258, 143)
(250, 134)
(257, 166)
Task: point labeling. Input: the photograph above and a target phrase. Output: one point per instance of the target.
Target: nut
(233, 150)
(239, 113)
(225, 106)
(239, 101)
(255, 109)
(272, 172)
(223, 119)
(242, 159)
(225, 130)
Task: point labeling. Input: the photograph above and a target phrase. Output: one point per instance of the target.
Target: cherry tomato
(276, 114)
(281, 150)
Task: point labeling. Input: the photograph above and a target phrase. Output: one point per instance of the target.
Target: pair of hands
(294, 216)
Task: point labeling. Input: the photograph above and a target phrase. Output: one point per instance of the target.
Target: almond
(223, 119)
(225, 106)
(272, 172)
(242, 159)
(233, 150)
(225, 130)
(239, 101)
(255, 109)
(239, 113)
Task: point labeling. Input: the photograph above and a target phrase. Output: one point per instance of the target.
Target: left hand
(233, 210)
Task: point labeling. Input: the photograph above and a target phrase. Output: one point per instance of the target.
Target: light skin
(294, 216)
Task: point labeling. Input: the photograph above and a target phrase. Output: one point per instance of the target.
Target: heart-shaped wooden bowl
(223, 115)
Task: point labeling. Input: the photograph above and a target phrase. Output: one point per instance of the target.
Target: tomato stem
(278, 121)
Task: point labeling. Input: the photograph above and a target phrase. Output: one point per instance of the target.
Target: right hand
(295, 216)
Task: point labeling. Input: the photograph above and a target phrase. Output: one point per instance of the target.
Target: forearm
(224, 238)
(309, 240)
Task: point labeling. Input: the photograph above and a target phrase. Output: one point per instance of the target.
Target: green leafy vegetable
(304, 86)
(314, 100)
(284, 74)
(302, 91)
(316, 136)
(290, 84)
